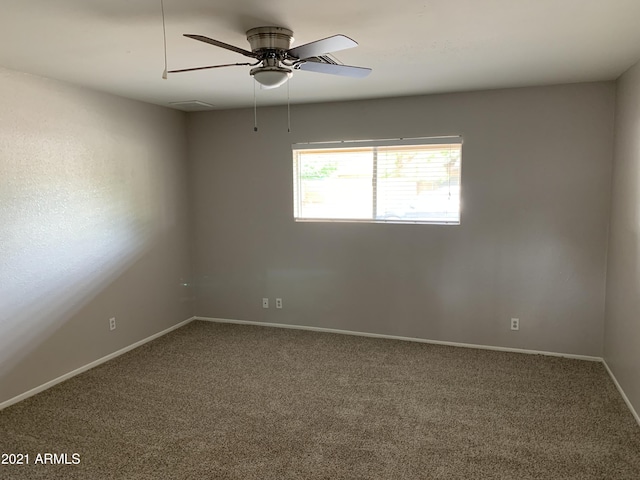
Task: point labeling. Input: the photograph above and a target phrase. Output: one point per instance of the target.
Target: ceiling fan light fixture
(271, 77)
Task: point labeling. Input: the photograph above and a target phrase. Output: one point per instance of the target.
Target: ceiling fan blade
(320, 47)
(332, 69)
(210, 66)
(220, 44)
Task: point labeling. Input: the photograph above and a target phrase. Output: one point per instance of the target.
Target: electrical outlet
(515, 324)
(265, 303)
(112, 323)
(278, 303)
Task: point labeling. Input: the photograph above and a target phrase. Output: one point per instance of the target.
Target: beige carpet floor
(214, 401)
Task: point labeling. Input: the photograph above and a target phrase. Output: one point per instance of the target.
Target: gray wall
(94, 209)
(622, 325)
(93, 224)
(532, 243)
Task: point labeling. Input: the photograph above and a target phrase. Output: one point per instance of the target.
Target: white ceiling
(413, 47)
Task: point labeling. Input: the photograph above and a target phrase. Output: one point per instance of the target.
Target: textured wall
(93, 224)
(622, 324)
(532, 243)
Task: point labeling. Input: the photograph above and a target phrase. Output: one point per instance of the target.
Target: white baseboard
(89, 366)
(624, 395)
(408, 339)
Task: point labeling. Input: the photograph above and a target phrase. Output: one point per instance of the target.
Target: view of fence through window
(408, 181)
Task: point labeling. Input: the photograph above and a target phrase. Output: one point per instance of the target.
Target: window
(394, 181)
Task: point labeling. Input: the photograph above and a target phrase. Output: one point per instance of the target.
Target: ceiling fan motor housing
(264, 39)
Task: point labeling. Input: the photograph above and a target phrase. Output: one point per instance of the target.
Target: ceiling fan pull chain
(288, 109)
(255, 108)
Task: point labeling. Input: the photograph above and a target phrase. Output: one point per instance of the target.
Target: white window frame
(448, 140)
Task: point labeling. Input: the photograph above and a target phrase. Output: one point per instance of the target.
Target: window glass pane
(419, 183)
(335, 183)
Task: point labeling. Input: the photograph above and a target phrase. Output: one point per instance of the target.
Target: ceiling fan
(276, 60)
